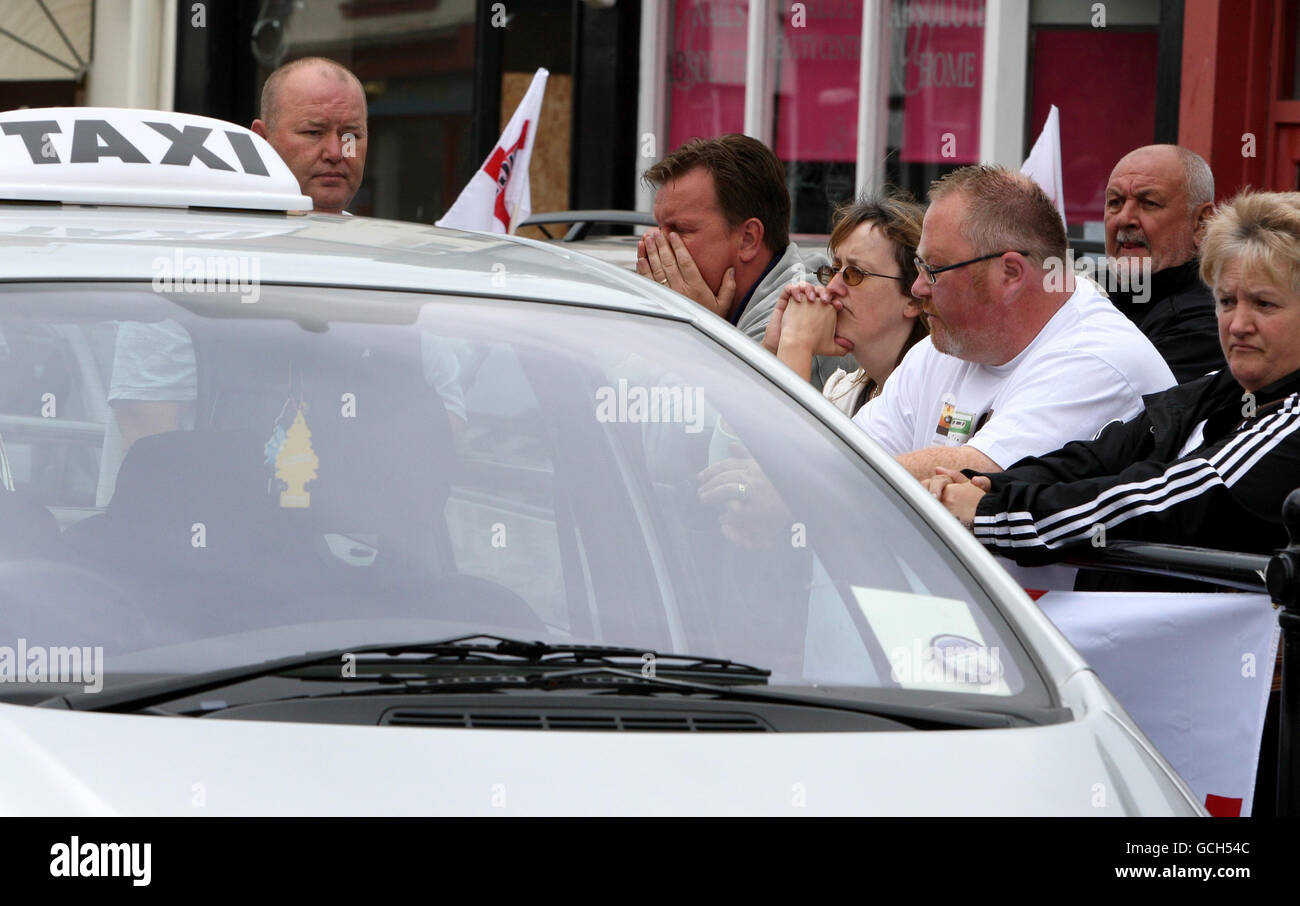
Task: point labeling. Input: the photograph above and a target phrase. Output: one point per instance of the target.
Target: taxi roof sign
(151, 158)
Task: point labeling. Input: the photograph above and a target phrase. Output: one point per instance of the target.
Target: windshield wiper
(500, 652)
(626, 682)
(502, 664)
(508, 652)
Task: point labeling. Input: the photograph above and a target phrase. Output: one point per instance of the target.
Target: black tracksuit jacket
(1225, 493)
(1179, 319)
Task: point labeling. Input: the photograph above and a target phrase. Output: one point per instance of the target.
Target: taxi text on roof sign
(151, 158)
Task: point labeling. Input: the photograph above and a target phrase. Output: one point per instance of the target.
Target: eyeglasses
(853, 275)
(932, 273)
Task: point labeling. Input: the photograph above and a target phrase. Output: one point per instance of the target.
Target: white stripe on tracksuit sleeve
(1182, 499)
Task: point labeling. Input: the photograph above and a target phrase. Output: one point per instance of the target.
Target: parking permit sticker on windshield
(932, 643)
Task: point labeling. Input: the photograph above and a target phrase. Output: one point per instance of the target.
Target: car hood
(59, 762)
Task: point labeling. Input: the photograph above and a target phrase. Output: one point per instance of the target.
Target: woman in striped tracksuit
(1208, 463)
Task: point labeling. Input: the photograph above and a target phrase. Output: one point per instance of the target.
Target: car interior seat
(203, 508)
(28, 530)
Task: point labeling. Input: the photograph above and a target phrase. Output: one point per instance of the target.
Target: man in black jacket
(1157, 202)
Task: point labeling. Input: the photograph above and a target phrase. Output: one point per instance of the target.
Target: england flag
(498, 197)
(1192, 670)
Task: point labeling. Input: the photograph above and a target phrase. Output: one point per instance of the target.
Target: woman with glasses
(864, 304)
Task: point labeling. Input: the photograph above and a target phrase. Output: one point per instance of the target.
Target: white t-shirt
(1089, 365)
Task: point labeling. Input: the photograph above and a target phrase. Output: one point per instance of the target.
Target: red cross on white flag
(498, 196)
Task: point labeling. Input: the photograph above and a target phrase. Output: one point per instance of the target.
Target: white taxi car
(310, 514)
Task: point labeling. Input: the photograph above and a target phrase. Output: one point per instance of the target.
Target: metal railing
(1231, 569)
(1277, 575)
(582, 221)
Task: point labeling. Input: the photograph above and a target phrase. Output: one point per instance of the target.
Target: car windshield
(202, 483)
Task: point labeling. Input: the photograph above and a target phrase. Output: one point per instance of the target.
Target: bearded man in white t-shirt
(1021, 358)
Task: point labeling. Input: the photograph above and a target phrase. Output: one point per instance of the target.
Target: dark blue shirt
(744, 303)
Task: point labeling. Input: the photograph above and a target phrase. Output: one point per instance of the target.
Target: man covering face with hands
(724, 234)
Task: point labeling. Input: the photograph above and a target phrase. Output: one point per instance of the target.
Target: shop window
(1103, 81)
(936, 69)
(817, 58)
(1290, 48)
(416, 62)
(706, 70)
